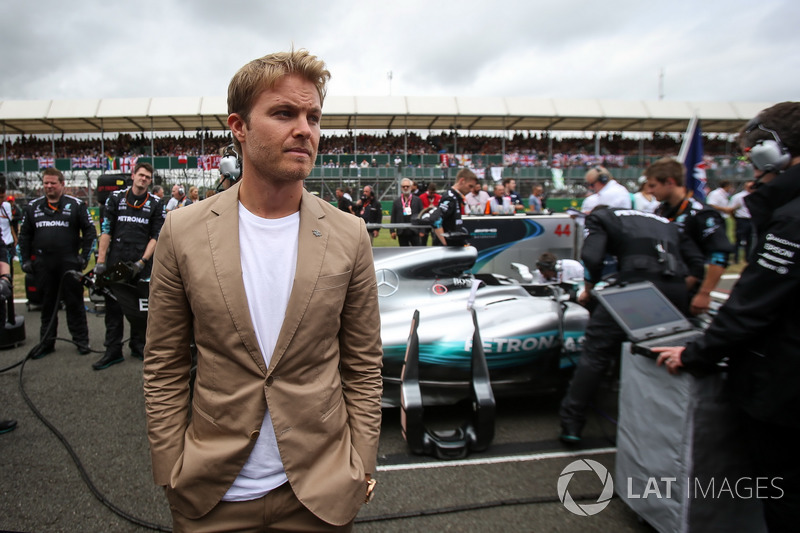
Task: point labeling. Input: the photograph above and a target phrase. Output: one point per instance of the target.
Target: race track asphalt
(510, 487)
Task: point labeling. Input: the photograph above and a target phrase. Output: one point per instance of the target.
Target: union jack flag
(45, 162)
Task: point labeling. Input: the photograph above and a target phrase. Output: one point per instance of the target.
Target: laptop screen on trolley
(643, 311)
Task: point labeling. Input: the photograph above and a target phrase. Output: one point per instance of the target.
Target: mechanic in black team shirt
(647, 248)
(133, 220)
(58, 235)
(666, 180)
(757, 328)
(448, 217)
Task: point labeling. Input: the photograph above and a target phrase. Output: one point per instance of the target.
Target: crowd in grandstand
(529, 146)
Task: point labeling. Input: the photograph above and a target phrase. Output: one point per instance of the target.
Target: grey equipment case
(680, 461)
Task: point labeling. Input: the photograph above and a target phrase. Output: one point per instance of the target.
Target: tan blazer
(323, 386)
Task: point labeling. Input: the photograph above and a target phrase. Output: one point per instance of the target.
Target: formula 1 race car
(532, 334)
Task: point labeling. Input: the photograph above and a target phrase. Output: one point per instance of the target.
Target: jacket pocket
(333, 281)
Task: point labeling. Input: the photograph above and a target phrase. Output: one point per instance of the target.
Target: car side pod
(476, 434)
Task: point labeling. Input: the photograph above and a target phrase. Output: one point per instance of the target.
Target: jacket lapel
(311, 245)
(223, 236)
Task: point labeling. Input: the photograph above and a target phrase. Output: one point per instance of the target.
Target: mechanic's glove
(137, 267)
(27, 266)
(5, 288)
(82, 262)
(99, 269)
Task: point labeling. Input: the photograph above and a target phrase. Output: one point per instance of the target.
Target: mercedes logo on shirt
(388, 282)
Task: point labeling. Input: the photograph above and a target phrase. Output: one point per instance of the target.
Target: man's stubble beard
(278, 173)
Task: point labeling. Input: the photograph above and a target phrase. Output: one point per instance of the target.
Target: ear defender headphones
(229, 165)
(768, 155)
(602, 175)
(181, 191)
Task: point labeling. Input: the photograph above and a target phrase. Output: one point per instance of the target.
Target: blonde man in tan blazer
(278, 289)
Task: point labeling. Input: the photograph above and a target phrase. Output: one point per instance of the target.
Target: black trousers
(602, 346)
(603, 343)
(408, 238)
(744, 238)
(115, 329)
(49, 278)
(773, 452)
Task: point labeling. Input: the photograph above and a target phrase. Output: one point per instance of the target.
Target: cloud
(711, 51)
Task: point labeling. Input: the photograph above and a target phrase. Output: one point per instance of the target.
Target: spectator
(405, 208)
(369, 208)
(476, 200)
(535, 202)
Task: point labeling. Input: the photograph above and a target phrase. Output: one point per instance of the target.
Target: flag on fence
(77, 162)
(510, 159)
(112, 163)
(464, 160)
(691, 155)
(45, 162)
(208, 162)
(90, 161)
(128, 163)
(183, 159)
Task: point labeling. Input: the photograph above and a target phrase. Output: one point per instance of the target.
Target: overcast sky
(708, 50)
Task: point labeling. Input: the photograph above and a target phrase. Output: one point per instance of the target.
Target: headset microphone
(230, 166)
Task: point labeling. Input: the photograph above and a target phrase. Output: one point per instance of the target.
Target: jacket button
(270, 379)
(254, 435)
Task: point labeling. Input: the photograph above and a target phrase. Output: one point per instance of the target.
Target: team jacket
(450, 208)
(131, 223)
(703, 225)
(60, 232)
(757, 328)
(647, 246)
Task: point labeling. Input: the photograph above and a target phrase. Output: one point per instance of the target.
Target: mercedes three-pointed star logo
(388, 282)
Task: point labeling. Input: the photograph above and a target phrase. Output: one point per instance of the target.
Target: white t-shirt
(737, 201)
(589, 203)
(614, 194)
(269, 259)
(718, 198)
(5, 224)
(641, 203)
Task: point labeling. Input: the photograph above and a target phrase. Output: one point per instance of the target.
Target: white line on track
(496, 460)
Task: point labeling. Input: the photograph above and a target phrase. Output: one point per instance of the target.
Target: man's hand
(670, 356)
(137, 267)
(394, 235)
(584, 298)
(27, 266)
(700, 303)
(100, 269)
(82, 262)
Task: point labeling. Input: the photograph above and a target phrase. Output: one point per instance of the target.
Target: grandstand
(425, 139)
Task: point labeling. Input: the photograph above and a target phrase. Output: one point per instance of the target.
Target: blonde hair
(264, 73)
